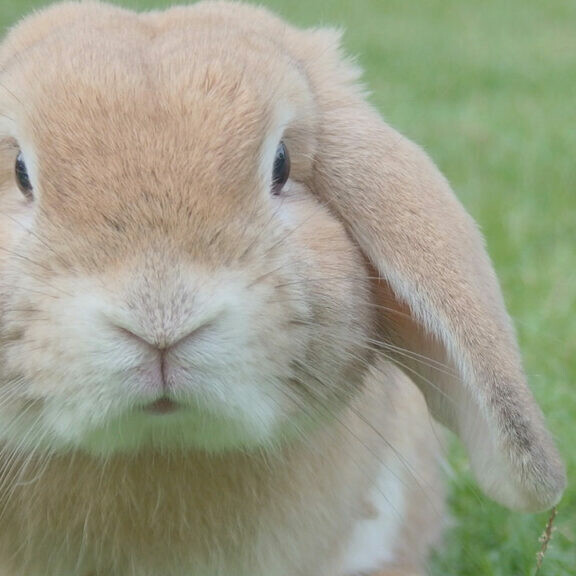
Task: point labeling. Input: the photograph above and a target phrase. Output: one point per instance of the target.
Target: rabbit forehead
(213, 71)
(105, 106)
(195, 70)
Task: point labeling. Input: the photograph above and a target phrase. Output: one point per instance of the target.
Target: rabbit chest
(323, 507)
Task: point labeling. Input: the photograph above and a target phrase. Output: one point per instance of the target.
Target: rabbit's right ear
(439, 296)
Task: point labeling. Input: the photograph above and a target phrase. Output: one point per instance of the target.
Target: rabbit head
(167, 279)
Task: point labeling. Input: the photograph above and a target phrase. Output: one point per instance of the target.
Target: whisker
(313, 279)
(263, 229)
(376, 345)
(65, 265)
(318, 208)
(29, 290)
(14, 452)
(400, 458)
(24, 258)
(321, 411)
(441, 367)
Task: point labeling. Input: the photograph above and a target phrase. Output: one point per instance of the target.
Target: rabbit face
(160, 285)
(168, 279)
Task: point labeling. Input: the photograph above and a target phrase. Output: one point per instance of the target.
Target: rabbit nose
(165, 307)
(162, 338)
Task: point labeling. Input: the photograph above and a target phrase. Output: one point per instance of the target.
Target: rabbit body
(332, 506)
(231, 298)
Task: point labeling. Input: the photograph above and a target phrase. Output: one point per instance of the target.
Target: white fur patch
(373, 539)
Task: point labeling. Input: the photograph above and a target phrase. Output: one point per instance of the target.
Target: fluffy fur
(199, 377)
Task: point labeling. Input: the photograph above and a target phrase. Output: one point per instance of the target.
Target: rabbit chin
(187, 429)
(61, 429)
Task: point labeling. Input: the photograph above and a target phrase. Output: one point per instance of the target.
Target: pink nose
(163, 339)
(160, 370)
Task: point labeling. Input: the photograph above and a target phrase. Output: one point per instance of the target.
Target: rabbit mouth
(163, 405)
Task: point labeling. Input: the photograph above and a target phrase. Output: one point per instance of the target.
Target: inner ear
(501, 437)
(416, 351)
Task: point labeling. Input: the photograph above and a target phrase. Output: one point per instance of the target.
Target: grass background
(489, 89)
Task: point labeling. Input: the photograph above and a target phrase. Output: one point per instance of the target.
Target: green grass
(489, 89)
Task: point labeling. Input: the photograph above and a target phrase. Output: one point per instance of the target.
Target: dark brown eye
(281, 169)
(22, 178)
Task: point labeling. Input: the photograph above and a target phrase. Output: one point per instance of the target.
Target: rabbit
(237, 309)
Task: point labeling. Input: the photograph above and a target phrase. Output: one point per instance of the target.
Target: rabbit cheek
(98, 378)
(330, 270)
(82, 368)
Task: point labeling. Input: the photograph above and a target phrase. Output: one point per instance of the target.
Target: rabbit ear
(439, 296)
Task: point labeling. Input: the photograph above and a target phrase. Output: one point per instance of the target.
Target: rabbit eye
(281, 168)
(22, 178)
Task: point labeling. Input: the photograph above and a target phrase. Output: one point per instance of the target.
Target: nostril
(133, 334)
(162, 338)
(172, 339)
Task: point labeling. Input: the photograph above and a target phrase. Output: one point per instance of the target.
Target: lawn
(489, 89)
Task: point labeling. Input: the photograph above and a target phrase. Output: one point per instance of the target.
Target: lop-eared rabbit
(233, 304)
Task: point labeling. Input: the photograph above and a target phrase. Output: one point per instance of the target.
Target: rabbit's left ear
(438, 285)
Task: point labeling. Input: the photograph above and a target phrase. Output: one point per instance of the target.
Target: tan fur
(143, 135)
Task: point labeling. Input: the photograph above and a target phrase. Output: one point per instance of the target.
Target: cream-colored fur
(281, 333)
